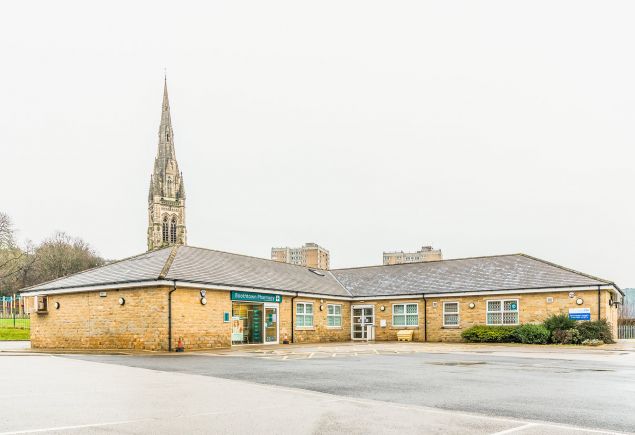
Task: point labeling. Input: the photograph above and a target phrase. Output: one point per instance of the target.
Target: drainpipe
(599, 318)
(292, 327)
(170, 315)
(425, 318)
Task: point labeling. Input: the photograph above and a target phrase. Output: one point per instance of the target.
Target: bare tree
(7, 233)
(55, 257)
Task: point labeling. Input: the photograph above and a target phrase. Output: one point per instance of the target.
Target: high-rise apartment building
(425, 254)
(310, 255)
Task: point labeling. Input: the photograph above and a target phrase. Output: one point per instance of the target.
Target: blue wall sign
(580, 313)
(255, 297)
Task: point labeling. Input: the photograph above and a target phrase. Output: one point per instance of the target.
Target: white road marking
(515, 429)
(79, 426)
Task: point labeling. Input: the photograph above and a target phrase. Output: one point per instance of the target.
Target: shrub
(595, 330)
(532, 334)
(592, 342)
(566, 336)
(558, 321)
(490, 334)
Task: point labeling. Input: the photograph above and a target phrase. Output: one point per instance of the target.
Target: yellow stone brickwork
(389, 332)
(321, 332)
(201, 326)
(90, 321)
(533, 308)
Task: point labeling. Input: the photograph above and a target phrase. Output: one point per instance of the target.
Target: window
(502, 312)
(333, 316)
(405, 315)
(173, 230)
(450, 314)
(165, 229)
(304, 315)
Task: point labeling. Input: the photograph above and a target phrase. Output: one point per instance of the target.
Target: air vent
(317, 272)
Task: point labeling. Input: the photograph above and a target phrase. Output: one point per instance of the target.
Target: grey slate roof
(504, 272)
(142, 267)
(206, 266)
(222, 268)
(203, 266)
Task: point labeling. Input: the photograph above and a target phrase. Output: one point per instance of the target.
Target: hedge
(490, 334)
(532, 334)
(587, 332)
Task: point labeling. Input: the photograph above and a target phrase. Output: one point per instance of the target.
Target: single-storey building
(212, 299)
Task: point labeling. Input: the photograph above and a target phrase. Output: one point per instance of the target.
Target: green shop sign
(255, 297)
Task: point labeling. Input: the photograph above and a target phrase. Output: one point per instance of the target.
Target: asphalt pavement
(452, 391)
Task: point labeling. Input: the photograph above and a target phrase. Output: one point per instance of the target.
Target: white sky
(480, 127)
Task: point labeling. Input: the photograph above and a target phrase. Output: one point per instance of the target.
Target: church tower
(166, 198)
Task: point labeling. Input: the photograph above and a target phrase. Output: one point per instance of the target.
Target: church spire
(166, 198)
(166, 135)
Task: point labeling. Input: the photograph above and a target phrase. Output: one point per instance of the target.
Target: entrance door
(271, 324)
(363, 315)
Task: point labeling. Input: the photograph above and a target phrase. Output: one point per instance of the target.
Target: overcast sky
(479, 127)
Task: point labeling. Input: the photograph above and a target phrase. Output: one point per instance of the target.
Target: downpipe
(170, 315)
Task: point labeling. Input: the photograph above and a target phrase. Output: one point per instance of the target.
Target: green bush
(490, 334)
(559, 321)
(532, 334)
(566, 336)
(595, 330)
(592, 342)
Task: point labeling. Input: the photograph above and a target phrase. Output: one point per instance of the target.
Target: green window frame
(334, 316)
(304, 315)
(405, 315)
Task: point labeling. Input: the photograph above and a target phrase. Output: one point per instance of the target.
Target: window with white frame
(405, 315)
(333, 316)
(502, 312)
(304, 315)
(450, 314)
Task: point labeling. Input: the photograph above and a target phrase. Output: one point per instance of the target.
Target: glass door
(362, 317)
(271, 324)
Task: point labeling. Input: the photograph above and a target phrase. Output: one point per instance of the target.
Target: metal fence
(14, 313)
(626, 331)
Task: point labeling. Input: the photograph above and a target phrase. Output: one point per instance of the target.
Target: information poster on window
(237, 329)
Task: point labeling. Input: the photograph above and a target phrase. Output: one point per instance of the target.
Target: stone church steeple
(166, 197)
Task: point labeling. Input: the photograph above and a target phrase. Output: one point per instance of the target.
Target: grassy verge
(19, 323)
(15, 334)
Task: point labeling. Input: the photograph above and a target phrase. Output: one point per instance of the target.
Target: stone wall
(90, 321)
(320, 332)
(389, 332)
(201, 326)
(533, 308)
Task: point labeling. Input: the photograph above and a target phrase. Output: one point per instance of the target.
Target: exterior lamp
(579, 301)
(57, 305)
(122, 301)
(383, 308)
(321, 307)
(472, 305)
(203, 301)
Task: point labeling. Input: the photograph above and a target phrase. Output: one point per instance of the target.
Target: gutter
(292, 324)
(170, 316)
(425, 318)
